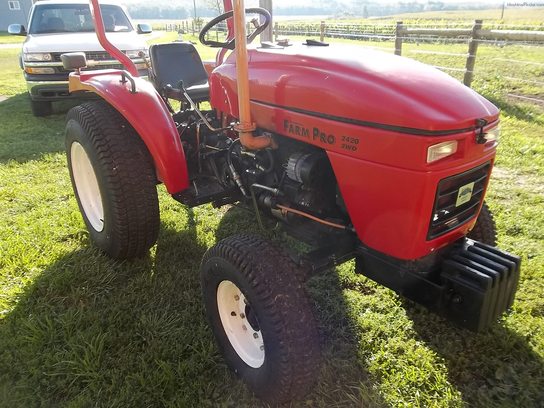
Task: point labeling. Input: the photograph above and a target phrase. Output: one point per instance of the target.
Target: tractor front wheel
(261, 317)
(113, 179)
(484, 230)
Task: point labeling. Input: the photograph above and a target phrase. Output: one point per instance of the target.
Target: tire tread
(129, 177)
(291, 312)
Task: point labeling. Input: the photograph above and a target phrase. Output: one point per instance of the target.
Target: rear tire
(261, 317)
(113, 179)
(41, 108)
(484, 230)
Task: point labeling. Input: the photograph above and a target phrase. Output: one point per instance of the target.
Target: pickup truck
(58, 27)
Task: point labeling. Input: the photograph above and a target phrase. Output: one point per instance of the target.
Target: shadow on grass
(497, 367)
(526, 112)
(24, 137)
(342, 381)
(92, 331)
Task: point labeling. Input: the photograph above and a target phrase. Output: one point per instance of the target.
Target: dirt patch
(2, 98)
(532, 99)
(529, 182)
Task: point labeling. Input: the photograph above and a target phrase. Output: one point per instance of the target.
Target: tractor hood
(360, 86)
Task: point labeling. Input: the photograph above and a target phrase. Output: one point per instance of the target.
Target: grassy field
(6, 38)
(79, 330)
(529, 18)
(512, 15)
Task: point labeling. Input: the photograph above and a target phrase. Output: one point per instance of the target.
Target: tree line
(362, 8)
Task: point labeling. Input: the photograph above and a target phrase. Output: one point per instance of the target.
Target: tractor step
(205, 190)
(473, 283)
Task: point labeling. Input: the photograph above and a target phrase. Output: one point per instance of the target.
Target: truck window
(74, 18)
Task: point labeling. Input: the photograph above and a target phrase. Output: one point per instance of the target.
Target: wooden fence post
(472, 50)
(276, 31)
(398, 38)
(322, 32)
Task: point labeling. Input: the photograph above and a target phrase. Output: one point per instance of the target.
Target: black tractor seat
(179, 63)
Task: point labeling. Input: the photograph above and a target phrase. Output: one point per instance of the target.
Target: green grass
(6, 38)
(78, 329)
(532, 17)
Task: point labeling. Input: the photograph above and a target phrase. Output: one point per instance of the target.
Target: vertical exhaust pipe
(246, 127)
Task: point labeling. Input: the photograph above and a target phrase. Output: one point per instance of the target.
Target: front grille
(94, 68)
(90, 55)
(453, 206)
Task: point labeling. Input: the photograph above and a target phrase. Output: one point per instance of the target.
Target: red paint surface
(147, 113)
(387, 186)
(356, 83)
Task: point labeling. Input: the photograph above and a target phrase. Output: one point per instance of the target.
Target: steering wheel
(231, 43)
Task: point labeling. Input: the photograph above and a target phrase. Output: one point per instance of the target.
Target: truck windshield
(76, 18)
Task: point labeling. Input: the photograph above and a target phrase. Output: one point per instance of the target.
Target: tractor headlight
(137, 53)
(492, 135)
(37, 57)
(441, 150)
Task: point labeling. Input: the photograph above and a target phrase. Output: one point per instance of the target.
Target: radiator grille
(457, 200)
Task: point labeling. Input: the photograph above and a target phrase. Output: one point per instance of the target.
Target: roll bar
(100, 30)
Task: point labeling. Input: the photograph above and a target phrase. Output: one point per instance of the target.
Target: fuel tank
(354, 84)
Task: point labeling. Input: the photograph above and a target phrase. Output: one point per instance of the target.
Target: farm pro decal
(315, 134)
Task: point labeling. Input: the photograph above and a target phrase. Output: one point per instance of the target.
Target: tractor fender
(138, 101)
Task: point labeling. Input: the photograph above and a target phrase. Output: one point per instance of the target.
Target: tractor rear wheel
(261, 317)
(113, 179)
(484, 230)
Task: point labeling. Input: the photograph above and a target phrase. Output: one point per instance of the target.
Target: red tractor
(359, 154)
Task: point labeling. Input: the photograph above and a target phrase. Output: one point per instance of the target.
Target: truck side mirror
(73, 60)
(16, 29)
(144, 28)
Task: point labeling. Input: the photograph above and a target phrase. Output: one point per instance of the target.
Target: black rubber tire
(484, 230)
(267, 278)
(41, 108)
(125, 176)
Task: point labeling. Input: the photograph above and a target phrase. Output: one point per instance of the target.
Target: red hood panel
(361, 84)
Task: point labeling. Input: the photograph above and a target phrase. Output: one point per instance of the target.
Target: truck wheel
(113, 179)
(41, 108)
(484, 230)
(261, 317)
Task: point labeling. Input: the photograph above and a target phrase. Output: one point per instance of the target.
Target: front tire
(113, 179)
(484, 230)
(261, 317)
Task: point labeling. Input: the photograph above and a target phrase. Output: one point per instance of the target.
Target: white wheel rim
(242, 331)
(87, 186)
